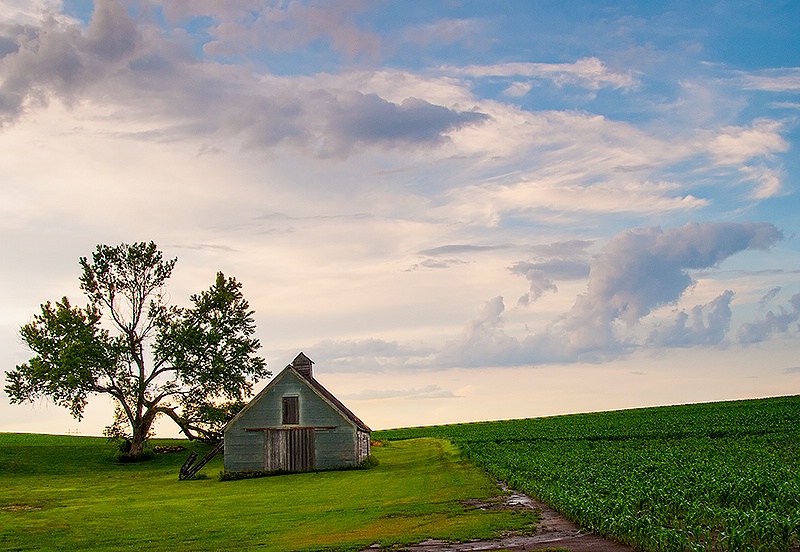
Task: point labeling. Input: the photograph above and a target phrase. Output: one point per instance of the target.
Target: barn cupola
(303, 365)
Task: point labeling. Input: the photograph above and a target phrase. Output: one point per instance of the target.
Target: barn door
(289, 449)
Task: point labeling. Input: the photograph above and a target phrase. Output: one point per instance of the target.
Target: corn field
(716, 476)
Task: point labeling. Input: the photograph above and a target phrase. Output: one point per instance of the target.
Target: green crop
(717, 476)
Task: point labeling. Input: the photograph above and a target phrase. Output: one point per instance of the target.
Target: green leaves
(213, 354)
(211, 345)
(72, 354)
(202, 361)
(124, 278)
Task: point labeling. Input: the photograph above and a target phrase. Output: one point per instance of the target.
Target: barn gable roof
(316, 386)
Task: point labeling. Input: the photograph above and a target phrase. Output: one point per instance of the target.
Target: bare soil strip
(553, 532)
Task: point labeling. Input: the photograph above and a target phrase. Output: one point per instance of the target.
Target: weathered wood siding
(364, 446)
(336, 443)
(289, 449)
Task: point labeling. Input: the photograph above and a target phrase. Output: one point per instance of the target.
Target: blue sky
(459, 210)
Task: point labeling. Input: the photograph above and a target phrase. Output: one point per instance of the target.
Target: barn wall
(244, 450)
(336, 445)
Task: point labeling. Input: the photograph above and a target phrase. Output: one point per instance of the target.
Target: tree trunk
(140, 432)
(137, 443)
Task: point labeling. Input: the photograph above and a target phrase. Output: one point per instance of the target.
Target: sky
(459, 210)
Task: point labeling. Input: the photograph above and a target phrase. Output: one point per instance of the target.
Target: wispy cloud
(589, 73)
(435, 263)
(772, 323)
(772, 80)
(543, 272)
(239, 26)
(457, 249)
(769, 296)
(427, 392)
(736, 144)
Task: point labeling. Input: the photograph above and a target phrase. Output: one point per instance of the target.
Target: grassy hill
(716, 476)
(68, 493)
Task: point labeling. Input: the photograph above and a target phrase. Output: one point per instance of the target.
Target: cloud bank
(637, 272)
(128, 64)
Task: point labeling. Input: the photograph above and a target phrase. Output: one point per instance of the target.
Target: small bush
(123, 452)
(127, 458)
(368, 462)
(236, 476)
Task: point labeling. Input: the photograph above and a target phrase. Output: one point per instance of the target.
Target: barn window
(291, 410)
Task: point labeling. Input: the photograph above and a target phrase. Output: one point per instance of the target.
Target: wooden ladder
(189, 468)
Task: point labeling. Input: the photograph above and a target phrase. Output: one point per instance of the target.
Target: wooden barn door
(290, 450)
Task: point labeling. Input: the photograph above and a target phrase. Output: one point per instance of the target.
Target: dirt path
(554, 531)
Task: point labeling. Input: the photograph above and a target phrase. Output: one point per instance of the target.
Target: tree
(195, 365)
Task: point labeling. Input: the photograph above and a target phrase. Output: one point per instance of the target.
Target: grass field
(718, 476)
(68, 493)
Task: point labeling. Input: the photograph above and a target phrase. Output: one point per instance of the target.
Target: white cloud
(734, 145)
(542, 272)
(589, 73)
(240, 25)
(427, 392)
(518, 89)
(772, 80)
(28, 12)
(61, 59)
(769, 296)
(646, 268)
(785, 105)
(490, 203)
(110, 62)
(637, 272)
(782, 322)
(444, 31)
(709, 325)
(768, 179)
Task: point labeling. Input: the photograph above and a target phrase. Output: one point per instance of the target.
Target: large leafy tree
(196, 365)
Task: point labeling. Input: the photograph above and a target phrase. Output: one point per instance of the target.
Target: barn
(294, 424)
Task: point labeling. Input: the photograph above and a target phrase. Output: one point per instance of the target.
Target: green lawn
(67, 493)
